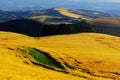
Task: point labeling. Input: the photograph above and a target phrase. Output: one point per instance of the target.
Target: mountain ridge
(54, 14)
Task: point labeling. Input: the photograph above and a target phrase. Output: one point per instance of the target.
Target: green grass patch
(43, 58)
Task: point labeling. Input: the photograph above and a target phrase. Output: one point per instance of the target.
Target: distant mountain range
(52, 15)
(61, 16)
(100, 22)
(114, 12)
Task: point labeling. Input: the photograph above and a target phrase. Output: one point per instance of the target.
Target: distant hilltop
(53, 15)
(62, 20)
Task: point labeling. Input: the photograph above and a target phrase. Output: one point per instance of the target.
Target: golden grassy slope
(87, 56)
(14, 65)
(65, 12)
(94, 54)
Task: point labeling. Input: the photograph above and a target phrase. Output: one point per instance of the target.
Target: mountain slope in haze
(92, 14)
(106, 25)
(52, 15)
(81, 59)
(115, 12)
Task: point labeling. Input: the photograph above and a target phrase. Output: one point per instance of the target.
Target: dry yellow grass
(14, 66)
(65, 12)
(95, 54)
(88, 56)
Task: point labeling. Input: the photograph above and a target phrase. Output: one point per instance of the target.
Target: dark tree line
(37, 29)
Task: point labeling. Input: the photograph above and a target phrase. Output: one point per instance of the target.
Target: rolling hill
(34, 28)
(80, 56)
(37, 29)
(83, 56)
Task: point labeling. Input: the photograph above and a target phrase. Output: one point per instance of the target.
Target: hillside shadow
(37, 29)
(23, 26)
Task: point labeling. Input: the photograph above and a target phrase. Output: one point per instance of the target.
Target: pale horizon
(100, 5)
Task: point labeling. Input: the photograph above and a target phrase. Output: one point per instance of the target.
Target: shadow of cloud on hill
(23, 26)
(109, 26)
(37, 29)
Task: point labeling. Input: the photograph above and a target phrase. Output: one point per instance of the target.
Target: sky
(112, 0)
(22, 4)
(117, 1)
(64, 0)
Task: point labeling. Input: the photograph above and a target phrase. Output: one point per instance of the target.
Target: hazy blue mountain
(114, 12)
(56, 15)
